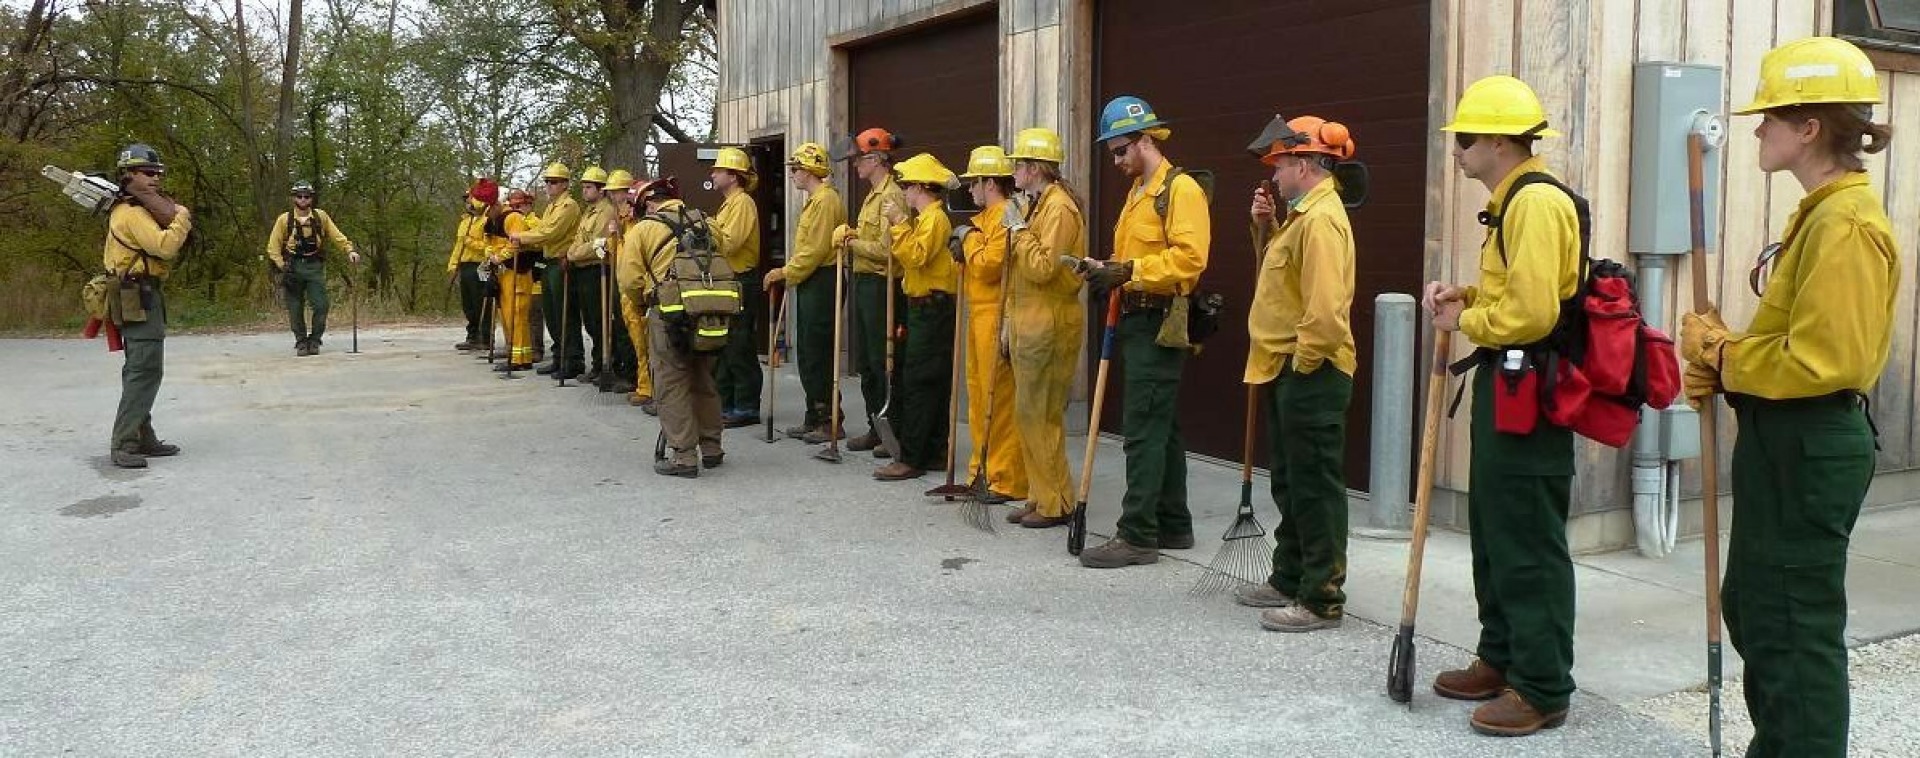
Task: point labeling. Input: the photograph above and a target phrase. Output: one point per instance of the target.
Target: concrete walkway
(398, 553)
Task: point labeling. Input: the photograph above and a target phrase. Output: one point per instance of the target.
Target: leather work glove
(1702, 335)
(841, 234)
(956, 243)
(1014, 213)
(1701, 383)
(1109, 275)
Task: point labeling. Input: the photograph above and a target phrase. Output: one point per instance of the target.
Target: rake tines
(1245, 556)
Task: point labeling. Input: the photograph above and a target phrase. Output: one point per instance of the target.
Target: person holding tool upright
(514, 269)
(1521, 471)
(871, 248)
(294, 247)
(736, 228)
(814, 316)
(141, 248)
(1160, 249)
(552, 235)
(469, 254)
(585, 257)
(1797, 379)
(929, 279)
(982, 250)
(1045, 321)
(1300, 353)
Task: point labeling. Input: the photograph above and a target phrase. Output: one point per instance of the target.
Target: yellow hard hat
(735, 159)
(1500, 105)
(988, 160)
(594, 174)
(923, 169)
(1812, 71)
(811, 157)
(619, 181)
(557, 171)
(1037, 144)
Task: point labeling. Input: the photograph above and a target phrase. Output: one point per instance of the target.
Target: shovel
(1400, 661)
(889, 439)
(1077, 528)
(1709, 452)
(831, 453)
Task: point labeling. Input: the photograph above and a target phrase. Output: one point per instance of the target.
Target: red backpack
(1602, 361)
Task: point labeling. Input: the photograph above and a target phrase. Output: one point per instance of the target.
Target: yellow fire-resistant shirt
(470, 242)
(647, 251)
(871, 243)
(1517, 302)
(986, 255)
(1054, 229)
(736, 231)
(926, 264)
(596, 218)
(553, 231)
(1168, 254)
(813, 236)
(280, 242)
(1304, 291)
(1825, 323)
(136, 244)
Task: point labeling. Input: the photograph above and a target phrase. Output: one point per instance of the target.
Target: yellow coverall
(990, 384)
(1046, 324)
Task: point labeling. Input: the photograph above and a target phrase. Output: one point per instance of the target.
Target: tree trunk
(636, 86)
(289, 78)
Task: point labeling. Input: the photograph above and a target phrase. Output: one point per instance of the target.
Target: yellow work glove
(841, 234)
(1701, 383)
(1702, 335)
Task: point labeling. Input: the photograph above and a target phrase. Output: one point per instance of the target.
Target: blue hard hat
(1126, 114)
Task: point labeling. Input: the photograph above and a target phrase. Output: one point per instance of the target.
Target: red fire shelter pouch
(1516, 394)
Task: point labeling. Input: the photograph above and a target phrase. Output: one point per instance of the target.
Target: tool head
(1077, 529)
(830, 454)
(1400, 667)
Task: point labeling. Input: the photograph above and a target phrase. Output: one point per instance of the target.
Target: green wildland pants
(306, 283)
(737, 370)
(140, 374)
(813, 348)
(1519, 488)
(1800, 472)
(927, 382)
(1307, 434)
(1156, 501)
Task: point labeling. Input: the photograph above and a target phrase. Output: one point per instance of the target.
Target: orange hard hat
(1312, 135)
(876, 140)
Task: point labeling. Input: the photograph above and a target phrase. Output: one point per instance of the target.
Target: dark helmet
(303, 188)
(137, 156)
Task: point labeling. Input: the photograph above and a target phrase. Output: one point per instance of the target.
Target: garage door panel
(1218, 76)
(938, 88)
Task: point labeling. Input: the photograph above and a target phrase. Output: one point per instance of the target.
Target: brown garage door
(937, 87)
(1219, 75)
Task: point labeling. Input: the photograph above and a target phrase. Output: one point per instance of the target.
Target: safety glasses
(1465, 141)
(1120, 150)
(1762, 270)
(556, 181)
(150, 173)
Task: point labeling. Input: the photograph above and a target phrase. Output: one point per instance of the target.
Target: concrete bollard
(1390, 453)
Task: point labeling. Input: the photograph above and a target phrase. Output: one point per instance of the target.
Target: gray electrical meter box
(1670, 102)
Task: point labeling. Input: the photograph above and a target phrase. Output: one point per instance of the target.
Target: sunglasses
(1762, 270)
(150, 173)
(556, 181)
(1466, 141)
(1120, 151)
(303, 197)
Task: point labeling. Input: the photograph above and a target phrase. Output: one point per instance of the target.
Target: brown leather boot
(864, 442)
(1036, 521)
(1019, 513)
(897, 471)
(1478, 681)
(1510, 715)
(1117, 553)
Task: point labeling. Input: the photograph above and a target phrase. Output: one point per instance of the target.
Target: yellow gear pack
(700, 296)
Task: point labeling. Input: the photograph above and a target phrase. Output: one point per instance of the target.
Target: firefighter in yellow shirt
(1300, 353)
(928, 278)
(871, 247)
(808, 275)
(990, 388)
(140, 252)
(553, 235)
(1519, 484)
(626, 358)
(1159, 251)
(633, 310)
(736, 229)
(585, 257)
(294, 246)
(470, 250)
(1046, 322)
(1797, 379)
(514, 271)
